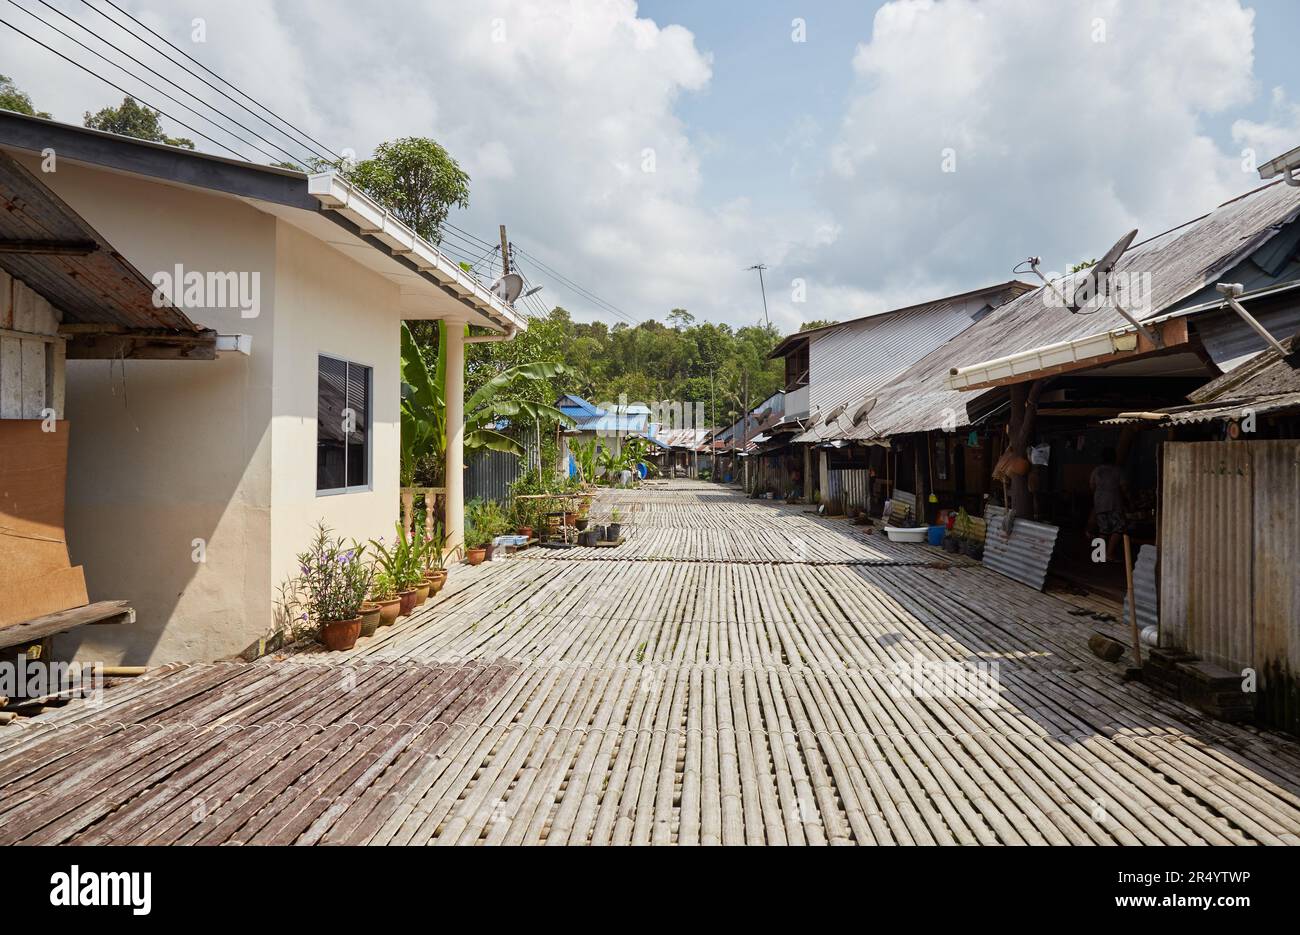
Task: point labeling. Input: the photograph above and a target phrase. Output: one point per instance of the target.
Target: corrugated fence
(1229, 587)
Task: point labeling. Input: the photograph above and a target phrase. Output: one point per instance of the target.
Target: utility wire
(121, 89)
(148, 84)
(331, 157)
(579, 290)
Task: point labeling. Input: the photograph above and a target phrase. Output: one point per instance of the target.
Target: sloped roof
(790, 340)
(1181, 263)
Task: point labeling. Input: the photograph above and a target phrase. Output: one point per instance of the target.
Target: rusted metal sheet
(91, 284)
(1229, 591)
(1024, 553)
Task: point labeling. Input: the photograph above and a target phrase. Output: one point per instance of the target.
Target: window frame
(369, 423)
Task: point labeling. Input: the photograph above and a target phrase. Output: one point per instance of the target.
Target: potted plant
(383, 594)
(434, 571)
(614, 531)
(335, 579)
(476, 542)
(399, 561)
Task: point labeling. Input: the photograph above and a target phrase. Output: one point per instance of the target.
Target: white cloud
(1068, 123)
(1061, 142)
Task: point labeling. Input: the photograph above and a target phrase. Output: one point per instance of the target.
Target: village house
(219, 343)
(829, 371)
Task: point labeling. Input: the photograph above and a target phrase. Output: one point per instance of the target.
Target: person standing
(1109, 502)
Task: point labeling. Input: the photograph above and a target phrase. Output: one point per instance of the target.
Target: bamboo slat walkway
(565, 699)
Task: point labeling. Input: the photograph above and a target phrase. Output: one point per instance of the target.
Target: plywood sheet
(36, 596)
(33, 479)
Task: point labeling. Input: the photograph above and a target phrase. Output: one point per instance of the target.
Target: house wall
(326, 304)
(169, 487)
(192, 484)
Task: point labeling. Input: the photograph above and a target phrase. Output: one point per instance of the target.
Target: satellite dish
(835, 413)
(864, 410)
(508, 288)
(1094, 279)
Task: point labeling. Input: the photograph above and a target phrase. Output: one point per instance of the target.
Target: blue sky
(765, 87)
(652, 151)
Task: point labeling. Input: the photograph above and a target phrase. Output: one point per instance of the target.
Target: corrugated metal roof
(79, 273)
(681, 438)
(1181, 262)
(846, 363)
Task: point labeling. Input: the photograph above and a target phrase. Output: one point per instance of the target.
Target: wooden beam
(29, 631)
(49, 247)
(143, 346)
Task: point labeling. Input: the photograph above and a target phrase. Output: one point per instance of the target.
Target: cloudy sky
(872, 155)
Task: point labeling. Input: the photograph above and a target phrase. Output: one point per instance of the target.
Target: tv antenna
(1094, 282)
(760, 267)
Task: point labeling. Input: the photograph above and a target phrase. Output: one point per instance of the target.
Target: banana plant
(424, 407)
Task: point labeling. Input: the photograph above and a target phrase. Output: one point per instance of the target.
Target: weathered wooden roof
(1180, 262)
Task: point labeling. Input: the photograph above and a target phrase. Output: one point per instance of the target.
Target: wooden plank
(101, 612)
(11, 378)
(33, 378)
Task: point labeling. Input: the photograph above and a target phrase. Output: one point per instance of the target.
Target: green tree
(417, 180)
(816, 323)
(134, 119)
(15, 99)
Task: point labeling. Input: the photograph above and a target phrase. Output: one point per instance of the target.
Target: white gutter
(1094, 345)
(372, 219)
(1040, 358)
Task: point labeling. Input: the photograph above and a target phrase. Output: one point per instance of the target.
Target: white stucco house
(206, 436)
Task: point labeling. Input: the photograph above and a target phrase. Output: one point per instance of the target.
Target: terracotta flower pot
(421, 593)
(338, 635)
(370, 618)
(475, 556)
(388, 610)
(408, 601)
(436, 580)
(525, 531)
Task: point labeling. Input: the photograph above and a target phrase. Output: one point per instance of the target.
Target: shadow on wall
(168, 506)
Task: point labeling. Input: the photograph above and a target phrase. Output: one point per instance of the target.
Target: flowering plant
(334, 577)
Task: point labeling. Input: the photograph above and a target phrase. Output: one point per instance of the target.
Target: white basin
(906, 533)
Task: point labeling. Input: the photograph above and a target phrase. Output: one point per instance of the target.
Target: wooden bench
(39, 628)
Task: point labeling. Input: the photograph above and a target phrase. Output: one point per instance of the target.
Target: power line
(120, 88)
(579, 290)
(148, 84)
(332, 156)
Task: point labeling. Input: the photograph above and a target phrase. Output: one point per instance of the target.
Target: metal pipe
(1230, 291)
